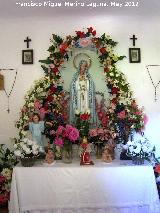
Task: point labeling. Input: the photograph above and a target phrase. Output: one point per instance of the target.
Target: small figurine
(49, 159)
(107, 155)
(85, 153)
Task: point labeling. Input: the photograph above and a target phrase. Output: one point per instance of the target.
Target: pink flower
(137, 112)
(100, 131)
(58, 142)
(42, 113)
(52, 132)
(84, 42)
(145, 119)
(59, 130)
(122, 114)
(37, 104)
(93, 132)
(74, 134)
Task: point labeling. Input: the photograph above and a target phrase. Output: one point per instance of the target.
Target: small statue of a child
(85, 153)
(49, 159)
(107, 155)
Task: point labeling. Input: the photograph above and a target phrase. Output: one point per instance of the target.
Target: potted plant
(139, 150)
(27, 151)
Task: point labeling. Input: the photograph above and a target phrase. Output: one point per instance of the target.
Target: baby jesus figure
(49, 159)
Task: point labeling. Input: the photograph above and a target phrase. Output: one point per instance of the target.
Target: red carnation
(115, 90)
(90, 29)
(84, 116)
(80, 34)
(106, 69)
(49, 98)
(55, 70)
(94, 33)
(157, 169)
(114, 101)
(53, 88)
(103, 50)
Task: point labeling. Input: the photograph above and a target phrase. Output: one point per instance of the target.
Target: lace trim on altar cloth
(131, 209)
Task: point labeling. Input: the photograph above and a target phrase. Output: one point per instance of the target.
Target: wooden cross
(27, 40)
(134, 40)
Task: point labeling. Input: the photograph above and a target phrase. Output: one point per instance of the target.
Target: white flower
(131, 149)
(35, 152)
(125, 147)
(137, 149)
(130, 143)
(15, 146)
(28, 151)
(30, 142)
(25, 140)
(17, 153)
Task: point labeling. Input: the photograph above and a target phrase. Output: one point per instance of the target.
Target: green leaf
(51, 49)
(47, 61)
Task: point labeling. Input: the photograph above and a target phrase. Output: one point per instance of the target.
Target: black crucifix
(27, 40)
(134, 40)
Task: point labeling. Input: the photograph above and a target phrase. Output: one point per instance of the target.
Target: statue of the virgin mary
(82, 93)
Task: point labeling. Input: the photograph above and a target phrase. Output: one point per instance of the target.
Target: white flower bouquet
(141, 149)
(26, 148)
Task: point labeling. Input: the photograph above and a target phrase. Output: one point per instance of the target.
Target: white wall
(121, 28)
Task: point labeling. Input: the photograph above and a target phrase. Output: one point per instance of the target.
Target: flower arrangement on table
(7, 162)
(100, 137)
(65, 136)
(27, 150)
(83, 122)
(140, 149)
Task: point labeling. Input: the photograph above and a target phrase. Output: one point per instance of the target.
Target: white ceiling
(146, 8)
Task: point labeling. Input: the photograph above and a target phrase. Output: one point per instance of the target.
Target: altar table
(118, 187)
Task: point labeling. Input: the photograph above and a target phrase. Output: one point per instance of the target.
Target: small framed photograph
(27, 56)
(134, 55)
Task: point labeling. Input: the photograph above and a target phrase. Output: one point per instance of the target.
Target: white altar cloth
(102, 188)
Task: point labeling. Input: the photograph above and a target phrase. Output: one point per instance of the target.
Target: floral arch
(123, 113)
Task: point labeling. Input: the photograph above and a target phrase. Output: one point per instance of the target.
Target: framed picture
(27, 56)
(134, 55)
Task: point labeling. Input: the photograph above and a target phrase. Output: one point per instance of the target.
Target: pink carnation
(93, 132)
(37, 104)
(59, 130)
(58, 142)
(74, 134)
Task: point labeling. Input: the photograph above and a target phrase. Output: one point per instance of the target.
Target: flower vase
(67, 152)
(137, 160)
(27, 162)
(99, 149)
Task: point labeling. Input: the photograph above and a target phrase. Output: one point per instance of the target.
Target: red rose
(103, 50)
(106, 69)
(84, 116)
(94, 33)
(49, 98)
(114, 101)
(55, 70)
(157, 169)
(53, 88)
(90, 29)
(80, 34)
(115, 90)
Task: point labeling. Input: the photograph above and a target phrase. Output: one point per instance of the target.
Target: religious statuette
(154, 85)
(49, 159)
(82, 91)
(108, 153)
(85, 153)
